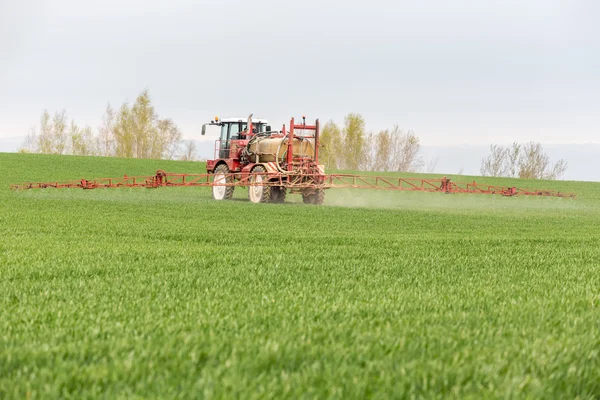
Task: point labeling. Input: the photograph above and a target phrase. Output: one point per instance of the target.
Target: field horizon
(154, 293)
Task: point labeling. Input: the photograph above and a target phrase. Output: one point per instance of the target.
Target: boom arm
(301, 181)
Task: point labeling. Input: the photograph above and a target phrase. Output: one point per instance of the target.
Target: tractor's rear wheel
(221, 176)
(316, 197)
(257, 193)
(278, 194)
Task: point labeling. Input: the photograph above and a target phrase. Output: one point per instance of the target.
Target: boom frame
(296, 183)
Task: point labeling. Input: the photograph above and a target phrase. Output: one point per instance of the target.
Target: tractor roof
(254, 120)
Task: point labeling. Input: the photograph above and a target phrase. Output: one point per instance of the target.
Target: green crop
(166, 293)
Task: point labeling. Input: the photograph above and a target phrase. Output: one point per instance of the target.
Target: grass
(140, 293)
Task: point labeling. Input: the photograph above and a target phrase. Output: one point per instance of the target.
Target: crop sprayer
(275, 163)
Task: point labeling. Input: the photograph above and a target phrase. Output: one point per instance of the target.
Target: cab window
(224, 129)
(234, 131)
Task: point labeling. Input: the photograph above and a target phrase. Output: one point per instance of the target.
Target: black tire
(316, 197)
(259, 194)
(222, 192)
(278, 194)
(320, 197)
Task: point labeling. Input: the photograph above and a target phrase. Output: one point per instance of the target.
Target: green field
(144, 293)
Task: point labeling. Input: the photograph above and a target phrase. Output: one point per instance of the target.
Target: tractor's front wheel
(316, 197)
(258, 192)
(221, 192)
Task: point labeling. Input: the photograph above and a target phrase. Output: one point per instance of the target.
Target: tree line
(134, 131)
(137, 131)
(522, 161)
(351, 147)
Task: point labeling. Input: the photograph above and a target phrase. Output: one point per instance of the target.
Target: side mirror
(268, 128)
(204, 129)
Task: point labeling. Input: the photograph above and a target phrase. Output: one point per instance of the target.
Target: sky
(457, 73)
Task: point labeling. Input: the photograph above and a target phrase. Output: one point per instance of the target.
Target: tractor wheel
(259, 193)
(317, 197)
(320, 197)
(220, 176)
(278, 194)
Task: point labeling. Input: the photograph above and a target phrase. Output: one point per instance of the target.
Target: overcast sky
(455, 72)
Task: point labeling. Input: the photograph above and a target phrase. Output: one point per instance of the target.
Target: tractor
(270, 163)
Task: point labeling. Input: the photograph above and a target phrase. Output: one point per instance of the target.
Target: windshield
(231, 130)
(258, 127)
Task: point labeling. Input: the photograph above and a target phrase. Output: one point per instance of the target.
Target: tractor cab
(235, 129)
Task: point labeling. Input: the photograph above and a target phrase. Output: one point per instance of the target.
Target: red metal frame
(298, 182)
(293, 168)
(299, 174)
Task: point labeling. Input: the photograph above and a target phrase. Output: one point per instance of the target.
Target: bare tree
(135, 131)
(405, 151)
(535, 164)
(30, 145)
(52, 138)
(383, 151)
(394, 150)
(369, 157)
(557, 171)
(60, 136)
(82, 140)
(432, 164)
(139, 133)
(513, 156)
(45, 139)
(166, 142)
(495, 164)
(106, 140)
(76, 139)
(522, 161)
(189, 150)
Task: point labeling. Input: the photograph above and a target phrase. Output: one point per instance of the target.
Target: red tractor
(271, 163)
